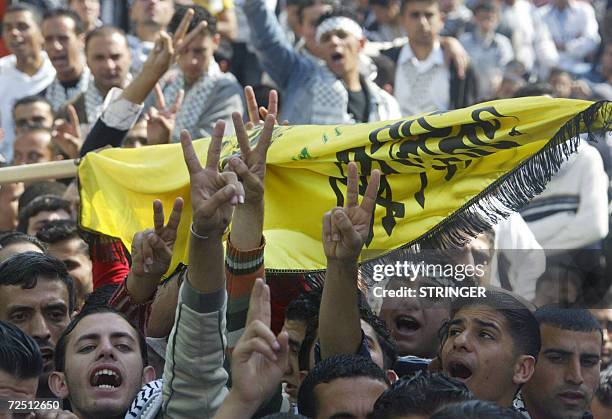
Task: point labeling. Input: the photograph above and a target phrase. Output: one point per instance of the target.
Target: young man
(341, 386)
(419, 397)
(491, 344)
(64, 242)
(88, 11)
(423, 82)
(108, 58)
(37, 295)
(210, 95)
(491, 50)
(20, 365)
(41, 210)
(567, 372)
(27, 71)
(149, 19)
(333, 93)
(14, 242)
(31, 112)
(33, 146)
(63, 33)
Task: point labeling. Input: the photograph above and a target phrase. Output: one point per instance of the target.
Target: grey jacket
(193, 384)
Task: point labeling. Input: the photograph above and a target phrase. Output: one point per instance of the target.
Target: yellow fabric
(215, 6)
(436, 168)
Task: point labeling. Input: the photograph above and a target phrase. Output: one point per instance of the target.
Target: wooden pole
(39, 171)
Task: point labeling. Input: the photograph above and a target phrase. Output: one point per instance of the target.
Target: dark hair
(604, 391)
(12, 237)
(534, 89)
(476, 409)
(71, 14)
(339, 12)
(59, 230)
(422, 394)
(43, 187)
(60, 348)
(305, 307)
(38, 204)
(28, 100)
(100, 296)
(522, 325)
(309, 3)
(284, 415)
(406, 2)
(333, 368)
(104, 30)
(26, 268)
(486, 6)
(574, 319)
(25, 7)
(312, 330)
(558, 72)
(19, 353)
(385, 340)
(200, 14)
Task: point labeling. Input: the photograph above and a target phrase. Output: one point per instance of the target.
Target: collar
(435, 57)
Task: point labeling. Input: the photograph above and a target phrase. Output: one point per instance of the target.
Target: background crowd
(91, 323)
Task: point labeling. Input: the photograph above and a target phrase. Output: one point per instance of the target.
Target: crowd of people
(108, 333)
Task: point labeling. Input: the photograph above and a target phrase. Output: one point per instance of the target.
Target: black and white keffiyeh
(57, 94)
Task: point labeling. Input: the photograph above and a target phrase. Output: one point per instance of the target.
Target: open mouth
(336, 57)
(459, 370)
(59, 59)
(105, 379)
(407, 324)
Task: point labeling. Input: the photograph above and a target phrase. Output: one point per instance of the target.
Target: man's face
(155, 12)
(63, 45)
(98, 344)
(347, 397)
(308, 28)
(32, 147)
(604, 316)
(9, 202)
(414, 322)
(41, 312)
(38, 221)
(22, 34)
(566, 374)
(109, 60)
(196, 57)
(32, 115)
(88, 10)
(562, 85)
(486, 21)
(376, 352)
(422, 22)
(73, 252)
(340, 51)
(13, 388)
(479, 351)
(297, 332)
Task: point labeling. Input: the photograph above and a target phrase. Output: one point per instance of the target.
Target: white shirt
(422, 86)
(13, 86)
(576, 27)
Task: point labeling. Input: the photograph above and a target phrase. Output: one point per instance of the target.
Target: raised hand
(257, 114)
(251, 166)
(152, 248)
(161, 120)
(213, 194)
(346, 229)
(259, 358)
(67, 135)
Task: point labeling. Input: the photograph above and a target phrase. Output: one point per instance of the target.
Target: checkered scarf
(58, 95)
(330, 100)
(195, 99)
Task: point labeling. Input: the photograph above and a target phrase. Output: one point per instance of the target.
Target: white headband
(339, 22)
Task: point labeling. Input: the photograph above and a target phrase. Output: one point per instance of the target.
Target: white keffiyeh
(58, 95)
(330, 100)
(195, 98)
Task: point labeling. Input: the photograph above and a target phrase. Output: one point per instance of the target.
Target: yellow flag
(443, 173)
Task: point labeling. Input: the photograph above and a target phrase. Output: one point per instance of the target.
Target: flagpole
(39, 171)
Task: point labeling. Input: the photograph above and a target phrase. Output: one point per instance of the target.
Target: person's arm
(344, 233)
(260, 357)
(277, 56)
(455, 54)
(195, 353)
(227, 25)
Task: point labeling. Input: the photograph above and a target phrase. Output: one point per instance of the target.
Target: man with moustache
(37, 295)
(567, 372)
